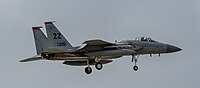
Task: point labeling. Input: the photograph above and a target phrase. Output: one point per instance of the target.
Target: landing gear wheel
(88, 70)
(98, 66)
(135, 68)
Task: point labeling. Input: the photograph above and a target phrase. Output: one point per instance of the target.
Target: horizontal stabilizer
(34, 58)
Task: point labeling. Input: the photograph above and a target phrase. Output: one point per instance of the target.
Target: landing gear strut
(88, 69)
(135, 59)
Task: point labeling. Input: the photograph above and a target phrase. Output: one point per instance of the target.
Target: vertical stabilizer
(55, 38)
(41, 42)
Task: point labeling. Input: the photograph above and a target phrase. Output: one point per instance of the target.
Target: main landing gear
(88, 70)
(98, 66)
(135, 60)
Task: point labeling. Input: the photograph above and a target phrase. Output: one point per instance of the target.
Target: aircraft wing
(98, 42)
(34, 58)
(95, 44)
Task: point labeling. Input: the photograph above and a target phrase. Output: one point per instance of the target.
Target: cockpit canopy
(144, 39)
(147, 39)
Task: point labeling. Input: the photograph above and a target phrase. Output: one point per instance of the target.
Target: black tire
(135, 68)
(88, 70)
(98, 66)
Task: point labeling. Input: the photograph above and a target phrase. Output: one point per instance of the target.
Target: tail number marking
(57, 35)
(61, 44)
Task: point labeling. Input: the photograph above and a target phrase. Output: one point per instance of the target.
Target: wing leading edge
(98, 42)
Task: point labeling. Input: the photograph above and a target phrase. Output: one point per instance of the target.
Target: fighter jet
(95, 52)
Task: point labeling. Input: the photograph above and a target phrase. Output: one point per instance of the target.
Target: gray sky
(175, 22)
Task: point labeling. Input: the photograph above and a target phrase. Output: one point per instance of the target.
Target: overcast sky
(175, 22)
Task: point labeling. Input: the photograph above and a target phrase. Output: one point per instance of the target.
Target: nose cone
(171, 49)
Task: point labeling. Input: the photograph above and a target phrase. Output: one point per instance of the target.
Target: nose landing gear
(135, 68)
(135, 59)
